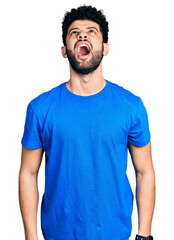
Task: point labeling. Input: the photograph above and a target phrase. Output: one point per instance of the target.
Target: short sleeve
(139, 132)
(31, 137)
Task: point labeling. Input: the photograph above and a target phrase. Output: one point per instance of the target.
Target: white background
(141, 59)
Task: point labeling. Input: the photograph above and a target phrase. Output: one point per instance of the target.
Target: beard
(84, 68)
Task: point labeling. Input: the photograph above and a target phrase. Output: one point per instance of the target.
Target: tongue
(84, 51)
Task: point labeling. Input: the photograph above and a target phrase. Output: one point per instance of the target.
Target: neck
(86, 84)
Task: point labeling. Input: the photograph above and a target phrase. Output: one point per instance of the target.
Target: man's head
(85, 13)
(85, 37)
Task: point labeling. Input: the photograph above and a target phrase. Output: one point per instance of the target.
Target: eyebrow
(79, 28)
(92, 28)
(73, 29)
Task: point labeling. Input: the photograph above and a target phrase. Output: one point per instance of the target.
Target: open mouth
(83, 49)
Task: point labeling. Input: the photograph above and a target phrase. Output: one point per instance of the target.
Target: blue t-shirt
(85, 139)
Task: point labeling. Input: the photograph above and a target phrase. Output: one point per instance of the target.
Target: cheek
(71, 46)
(97, 45)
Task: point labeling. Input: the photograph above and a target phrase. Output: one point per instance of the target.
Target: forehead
(84, 24)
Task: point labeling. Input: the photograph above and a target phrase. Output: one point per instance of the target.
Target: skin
(145, 186)
(86, 85)
(91, 83)
(28, 190)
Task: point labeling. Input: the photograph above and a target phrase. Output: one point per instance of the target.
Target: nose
(82, 36)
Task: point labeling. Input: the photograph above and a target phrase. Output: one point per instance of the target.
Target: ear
(63, 50)
(106, 49)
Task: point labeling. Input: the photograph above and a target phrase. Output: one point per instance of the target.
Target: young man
(86, 126)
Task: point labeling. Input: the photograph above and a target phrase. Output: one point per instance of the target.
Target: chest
(85, 122)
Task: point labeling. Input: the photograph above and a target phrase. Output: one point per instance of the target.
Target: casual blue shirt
(85, 139)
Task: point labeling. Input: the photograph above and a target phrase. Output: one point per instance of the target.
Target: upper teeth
(83, 45)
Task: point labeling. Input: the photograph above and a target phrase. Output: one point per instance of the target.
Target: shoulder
(125, 96)
(45, 100)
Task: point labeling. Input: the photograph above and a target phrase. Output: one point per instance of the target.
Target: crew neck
(88, 97)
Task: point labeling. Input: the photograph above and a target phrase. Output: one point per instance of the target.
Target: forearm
(145, 195)
(28, 199)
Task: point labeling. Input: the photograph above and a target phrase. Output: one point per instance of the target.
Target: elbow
(146, 173)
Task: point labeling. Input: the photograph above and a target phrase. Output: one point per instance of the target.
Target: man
(86, 126)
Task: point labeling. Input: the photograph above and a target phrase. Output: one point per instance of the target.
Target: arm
(28, 190)
(145, 186)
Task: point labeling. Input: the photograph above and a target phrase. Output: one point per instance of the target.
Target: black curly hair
(85, 13)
